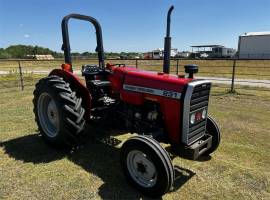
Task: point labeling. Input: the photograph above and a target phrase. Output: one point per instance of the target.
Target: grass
(247, 69)
(12, 81)
(239, 169)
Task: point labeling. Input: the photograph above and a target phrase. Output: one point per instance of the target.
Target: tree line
(26, 51)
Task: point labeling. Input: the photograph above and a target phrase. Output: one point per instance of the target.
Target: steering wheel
(90, 70)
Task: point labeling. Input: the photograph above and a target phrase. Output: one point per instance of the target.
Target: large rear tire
(147, 166)
(58, 112)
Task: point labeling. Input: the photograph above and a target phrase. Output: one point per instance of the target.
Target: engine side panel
(140, 86)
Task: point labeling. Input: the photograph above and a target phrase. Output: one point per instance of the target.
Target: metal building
(213, 51)
(254, 45)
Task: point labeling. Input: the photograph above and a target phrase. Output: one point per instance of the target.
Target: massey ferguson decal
(165, 93)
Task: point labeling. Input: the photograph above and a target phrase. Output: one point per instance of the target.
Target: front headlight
(192, 118)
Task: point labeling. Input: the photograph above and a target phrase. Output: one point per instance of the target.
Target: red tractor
(156, 106)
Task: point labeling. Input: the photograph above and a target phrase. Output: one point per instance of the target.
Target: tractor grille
(199, 100)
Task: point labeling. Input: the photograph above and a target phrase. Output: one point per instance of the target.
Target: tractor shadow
(31, 148)
(99, 155)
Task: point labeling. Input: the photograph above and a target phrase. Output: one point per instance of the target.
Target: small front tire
(147, 166)
(213, 130)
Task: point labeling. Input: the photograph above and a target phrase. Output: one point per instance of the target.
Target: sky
(137, 25)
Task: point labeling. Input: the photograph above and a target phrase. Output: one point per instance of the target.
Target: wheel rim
(48, 115)
(141, 169)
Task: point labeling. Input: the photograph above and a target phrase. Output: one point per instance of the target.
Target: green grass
(247, 69)
(12, 81)
(239, 169)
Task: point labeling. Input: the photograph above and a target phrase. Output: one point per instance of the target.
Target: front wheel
(147, 166)
(213, 130)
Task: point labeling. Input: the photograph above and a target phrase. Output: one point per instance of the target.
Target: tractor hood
(130, 76)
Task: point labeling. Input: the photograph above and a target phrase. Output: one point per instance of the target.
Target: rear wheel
(58, 111)
(147, 166)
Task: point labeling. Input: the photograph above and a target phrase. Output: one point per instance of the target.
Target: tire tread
(69, 105)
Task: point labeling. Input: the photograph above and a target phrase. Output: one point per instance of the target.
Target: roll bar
(66, 43)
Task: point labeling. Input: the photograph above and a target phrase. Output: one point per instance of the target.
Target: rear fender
(77, 85)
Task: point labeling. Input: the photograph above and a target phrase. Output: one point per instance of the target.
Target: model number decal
(171, 94)
(165, 93)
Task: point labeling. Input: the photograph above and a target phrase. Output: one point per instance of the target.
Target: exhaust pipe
(167, 44)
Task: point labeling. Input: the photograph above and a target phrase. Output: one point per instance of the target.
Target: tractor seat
(100, 83)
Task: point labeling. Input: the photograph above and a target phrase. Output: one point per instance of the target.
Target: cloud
(20, 25)
(26, 35)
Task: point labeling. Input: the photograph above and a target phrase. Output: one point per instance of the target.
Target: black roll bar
(66, 43)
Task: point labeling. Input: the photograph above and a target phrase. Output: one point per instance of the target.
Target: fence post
(177, 66)
(21, 75)
(233, 76)
(136, 63)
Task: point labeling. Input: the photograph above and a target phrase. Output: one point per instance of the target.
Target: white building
(183, 54)
(40, 57)
(159, 53)
(254, 45)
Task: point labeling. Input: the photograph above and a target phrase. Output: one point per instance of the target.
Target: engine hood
(149, 79)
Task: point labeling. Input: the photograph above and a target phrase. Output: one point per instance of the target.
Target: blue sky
(132, 25)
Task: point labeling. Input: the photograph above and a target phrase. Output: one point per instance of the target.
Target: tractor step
(195, 150)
